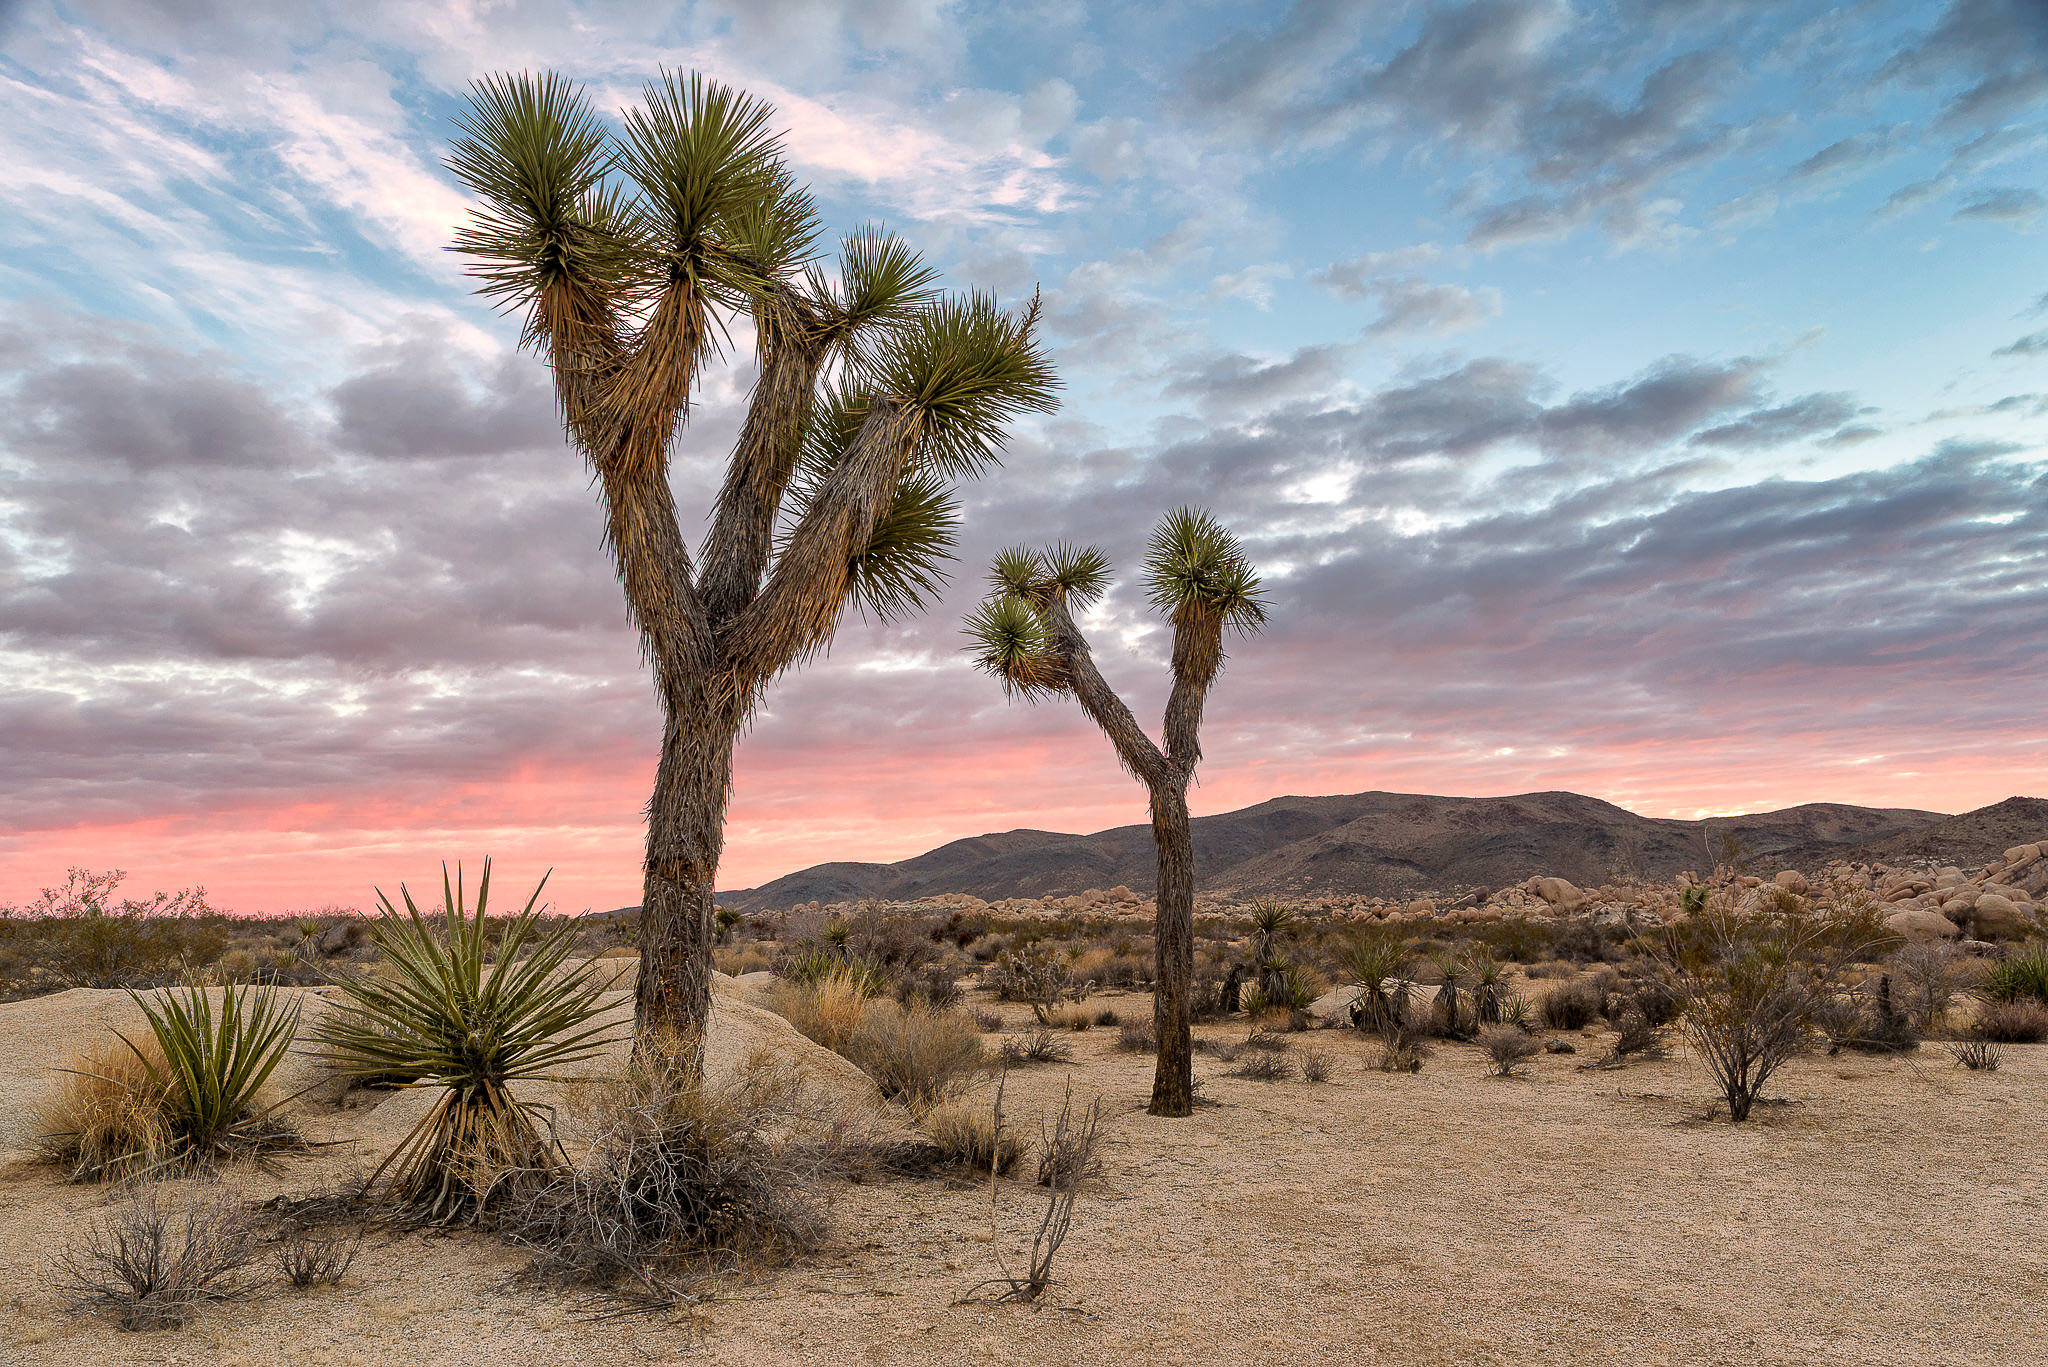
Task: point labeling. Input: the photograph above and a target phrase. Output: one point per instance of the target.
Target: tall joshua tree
(629, 254)
(1198, 576)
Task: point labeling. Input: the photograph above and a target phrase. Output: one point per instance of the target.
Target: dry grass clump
(985, 1020)
(1040, 1046)
(917, 1051)
(2015, 1022)
(1264, 1065)
(1978, 1055)
(110, 1115)
(1315, 1066)
(681, 1180)
(1136, 1037)
(152, 1262)
(964, 1134)
(306, 1259)
(1508, 1050)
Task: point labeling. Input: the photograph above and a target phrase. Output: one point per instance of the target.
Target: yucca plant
(215, 1066)
(185, 1096)
(1198, 576)
(445, 1012)
(629, 251)
(1372, 960)
(2020, 976)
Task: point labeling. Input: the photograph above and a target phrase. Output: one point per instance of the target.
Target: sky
(1637, 397)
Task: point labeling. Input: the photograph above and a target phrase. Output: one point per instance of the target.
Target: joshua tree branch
(1197, 655)
(799, 605)
(794, 346)
(1133, 747)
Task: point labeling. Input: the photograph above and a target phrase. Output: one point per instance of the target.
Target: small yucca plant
(445, 1013)
(183, 1097)
(216, 1066)
(2020, 976)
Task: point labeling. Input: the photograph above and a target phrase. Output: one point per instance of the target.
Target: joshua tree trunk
(685, 836)
(1174, 933)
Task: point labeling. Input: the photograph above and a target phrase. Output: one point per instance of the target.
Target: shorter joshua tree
(1025, 635)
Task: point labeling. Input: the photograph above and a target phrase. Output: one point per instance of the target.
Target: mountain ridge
(1380, 844)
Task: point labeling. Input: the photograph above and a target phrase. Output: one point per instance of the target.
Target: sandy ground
(1888, 1211)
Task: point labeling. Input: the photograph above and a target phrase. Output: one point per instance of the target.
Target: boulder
(1918, 923)
(2019, 856)
(1558, 893)
(1996, 917)
(1793, 881)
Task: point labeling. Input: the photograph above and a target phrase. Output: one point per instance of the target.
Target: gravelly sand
(1888, 1213)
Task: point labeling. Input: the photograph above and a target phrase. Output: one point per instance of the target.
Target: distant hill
(1403, 844)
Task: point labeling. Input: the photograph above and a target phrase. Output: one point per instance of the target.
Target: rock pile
(2001, 901)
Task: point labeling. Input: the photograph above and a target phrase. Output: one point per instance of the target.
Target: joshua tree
(629, 255)
(1025, 635)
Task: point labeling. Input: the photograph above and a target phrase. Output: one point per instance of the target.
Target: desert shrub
(1266, 1041)
(1039, 977)
(1573, 1007)
(1583, 942)
(1040, 1046)
(1978, 1055)
(985, 1020)
(1261, 1065)
(1930, 977)
(442, 1015)
(2015, 1022)
(919, 1052)
(1507, 1049)
(1108, 1016)
(1518, 939)
(1550, 968)
(1108, 967)
(681, 1179)
(964, 1134)
(1635, 1036)
(1402, 1049)
(1068, 1154)
(1315, 1066)
(153, 1262)
(80, 935)
(1649, 997)
(306, 1258)
(827, 1010)
(1074, 1134)
(1136, 1037)
(1372, 961)
(2020, 976)
(1867, 1020)
(934, 984)
(1752, 987)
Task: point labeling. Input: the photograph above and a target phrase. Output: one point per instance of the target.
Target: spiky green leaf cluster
(536, 154)
(1193, 564)
(1011, 641)
(460, 1007)
(900, 571)
(215, 1067)
(969, 369)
